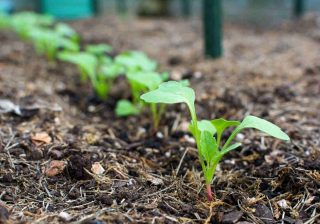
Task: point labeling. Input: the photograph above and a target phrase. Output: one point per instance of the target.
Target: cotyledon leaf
(151, 80)
(171, 92)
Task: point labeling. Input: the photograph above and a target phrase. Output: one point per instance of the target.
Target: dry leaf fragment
(97, 168)
(55, 167)
(7, 106)
(283, 204)
(152, 179)
(41, 138)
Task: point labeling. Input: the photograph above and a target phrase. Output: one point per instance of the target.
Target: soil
(48, 151)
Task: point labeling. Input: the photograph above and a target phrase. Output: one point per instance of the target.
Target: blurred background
(259, 12)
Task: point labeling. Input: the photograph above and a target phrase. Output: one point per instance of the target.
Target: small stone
(184, 126)
(168, 154)
(65, 216)
(197, 75)
(91, 108)
(240, 137)
(189, 139)
(159, 135)
(232, 217)
(283, 204)
(264, 213)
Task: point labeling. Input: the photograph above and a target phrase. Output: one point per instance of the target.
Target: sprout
(208, 133)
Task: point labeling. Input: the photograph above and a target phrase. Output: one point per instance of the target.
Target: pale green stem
(231, 137)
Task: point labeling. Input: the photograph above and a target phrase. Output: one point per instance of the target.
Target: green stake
(298, 8)
(212, 26)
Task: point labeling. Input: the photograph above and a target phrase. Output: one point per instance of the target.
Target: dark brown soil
(156, 178)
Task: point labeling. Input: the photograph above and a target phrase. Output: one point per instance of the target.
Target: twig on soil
(7, 147)
(314, 217)
(171, 218)
(181, 160)
(155, 193)
(91, 216)
(176, 123)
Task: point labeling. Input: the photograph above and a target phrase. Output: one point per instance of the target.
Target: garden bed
(155, 177)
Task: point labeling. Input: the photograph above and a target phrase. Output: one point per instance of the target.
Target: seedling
(125, 108)
(48, 42)
(23, 23)
(208, 133)
(106, 74)
(142, 82)
(98, 49)
(86, 63)
(136, 61)
(67, 31)
(101, 75)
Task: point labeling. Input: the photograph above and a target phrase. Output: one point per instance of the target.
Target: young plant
(208, 133)
(107, 72)
(66, 31)
(86, 63)
(142, 82)
(126, 108)
(136, 61)
(101, 75)
(98, 49)
(49, 42)
(25, 22)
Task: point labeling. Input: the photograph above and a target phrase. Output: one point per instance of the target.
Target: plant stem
(155, 116)
(197, 136)
(209, 192)
(231, 137)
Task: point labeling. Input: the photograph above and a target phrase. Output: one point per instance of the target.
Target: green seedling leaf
(164, 76)
(67, 44)
(135, 60)
(49, 42)
(231, 147)
(185, 82)
(221, 124)
(203, 125)
(171, 92)
(264, 126)
(66, 31)
(126, 108)
(150, 80)
(98, 49)
(208, 146)
(101, 89)
(86, 62)
(25, 22)
(111, 71)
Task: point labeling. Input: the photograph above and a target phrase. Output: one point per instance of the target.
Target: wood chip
(55, 167)
(41, 138)
(97, 168)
